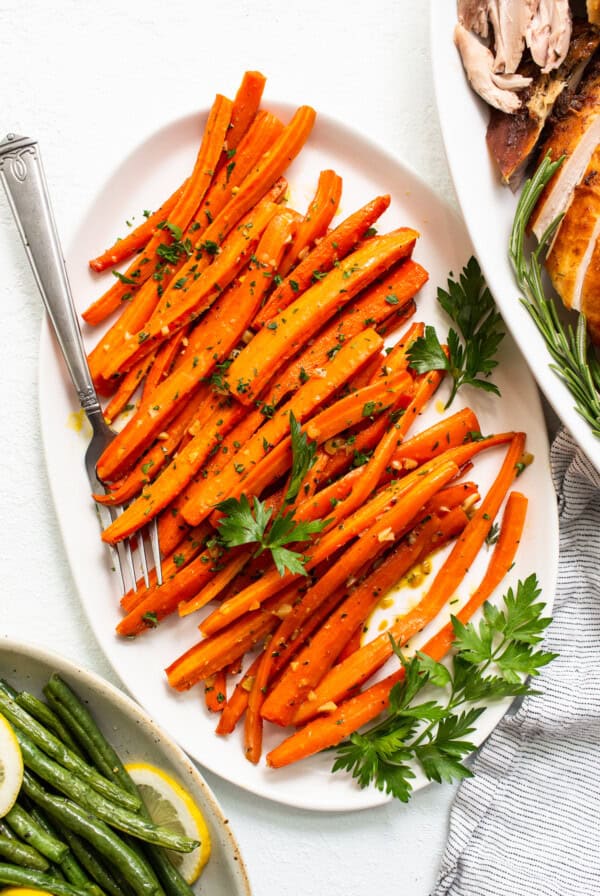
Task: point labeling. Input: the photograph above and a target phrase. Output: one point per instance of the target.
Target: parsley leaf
(471, 361)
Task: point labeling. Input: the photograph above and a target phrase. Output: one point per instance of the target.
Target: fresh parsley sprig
(470, 305)
(245, 523)
(490, 663)
(576, 363)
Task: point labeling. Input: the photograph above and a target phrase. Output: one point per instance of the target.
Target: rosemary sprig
(575, 361)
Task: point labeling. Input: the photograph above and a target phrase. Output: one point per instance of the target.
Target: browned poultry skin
(571, 252)
(567, 131)
(511, 139)
(590, 295)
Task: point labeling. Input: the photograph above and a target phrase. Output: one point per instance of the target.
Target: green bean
(86, 856)
(172, 881)
(21, 854)
(7, 688)
(79, 734)
(50, 744)
(40, 711)
(87, 798)
(97, 833)
(69, 865)
(27, 877)
(28, 830)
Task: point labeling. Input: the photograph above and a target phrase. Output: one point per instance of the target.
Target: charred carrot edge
(364, 548)
(318, 657)
(208, 155)
(318, 217)
(126, 388)
(245, 106)
(158, 494)
(212, 654)
(206, 493)
(136, 239)
(335, 246)
(352, 714)
(237, 703)
(362, 664)
(215, 691)
(290, 330)
(216, 585)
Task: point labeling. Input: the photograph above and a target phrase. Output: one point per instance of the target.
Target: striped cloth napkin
(528, 823)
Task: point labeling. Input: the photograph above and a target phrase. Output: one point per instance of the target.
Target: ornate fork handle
(23, 179)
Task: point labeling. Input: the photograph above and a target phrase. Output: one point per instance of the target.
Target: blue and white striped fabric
(528, 823)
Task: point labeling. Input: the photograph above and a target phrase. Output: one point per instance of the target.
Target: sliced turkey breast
(511, 139)
(569, 259)
(575, 135)
(497, 90)
(473, 15)
(510, 20)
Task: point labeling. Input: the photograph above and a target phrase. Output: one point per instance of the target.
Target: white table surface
(85, 79)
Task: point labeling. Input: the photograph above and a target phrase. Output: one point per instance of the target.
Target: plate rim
(555, 391)
(46, 341)
(129, 707)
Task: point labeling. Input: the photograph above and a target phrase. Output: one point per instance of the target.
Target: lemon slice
(11, 767)
(172, 806)
(24, 891)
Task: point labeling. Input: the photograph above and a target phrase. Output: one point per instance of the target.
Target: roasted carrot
(332, 248)
(216, 585)
(164, 360)
(368, 546)
(191, 196)
(319, 656)
(253, 723)
(245, 107)
(207, 493)
(215, 691)
(292, 328)
(352, 714)
(320, 213)
(361, 665)
(237, 703)
(126, 388)
(135, 240)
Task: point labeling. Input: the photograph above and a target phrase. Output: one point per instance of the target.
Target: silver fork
(23, 179)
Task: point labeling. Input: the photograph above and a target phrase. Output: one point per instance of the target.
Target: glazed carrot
(290, 330)
(367, 547)
(316, 221)
(216, 585)
(164, 360)
(237, 703)
(215, 691)
(207, 493)
(158, 494)
(361, 665)
(352, 714)
(212, 654)
(126, 388)
(253, 723)
(136, 239)
(245, 107)
(145, 265)
(194, 296)
(332, 248)
(319, 656)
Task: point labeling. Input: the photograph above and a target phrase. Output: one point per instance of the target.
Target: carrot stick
(216, 585)
(332, 248)
(207, 493)
(127, 387)
(253, 723)
(368, 546)
(237, 703)
(165, 358)
(215, 691)
(316, 221)
(212, 654)
(352, 714)
(135, 240)
(362, 664)
(291, 329)
(158, 494)
(144, 266)
(245, 107)
(318, 657)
